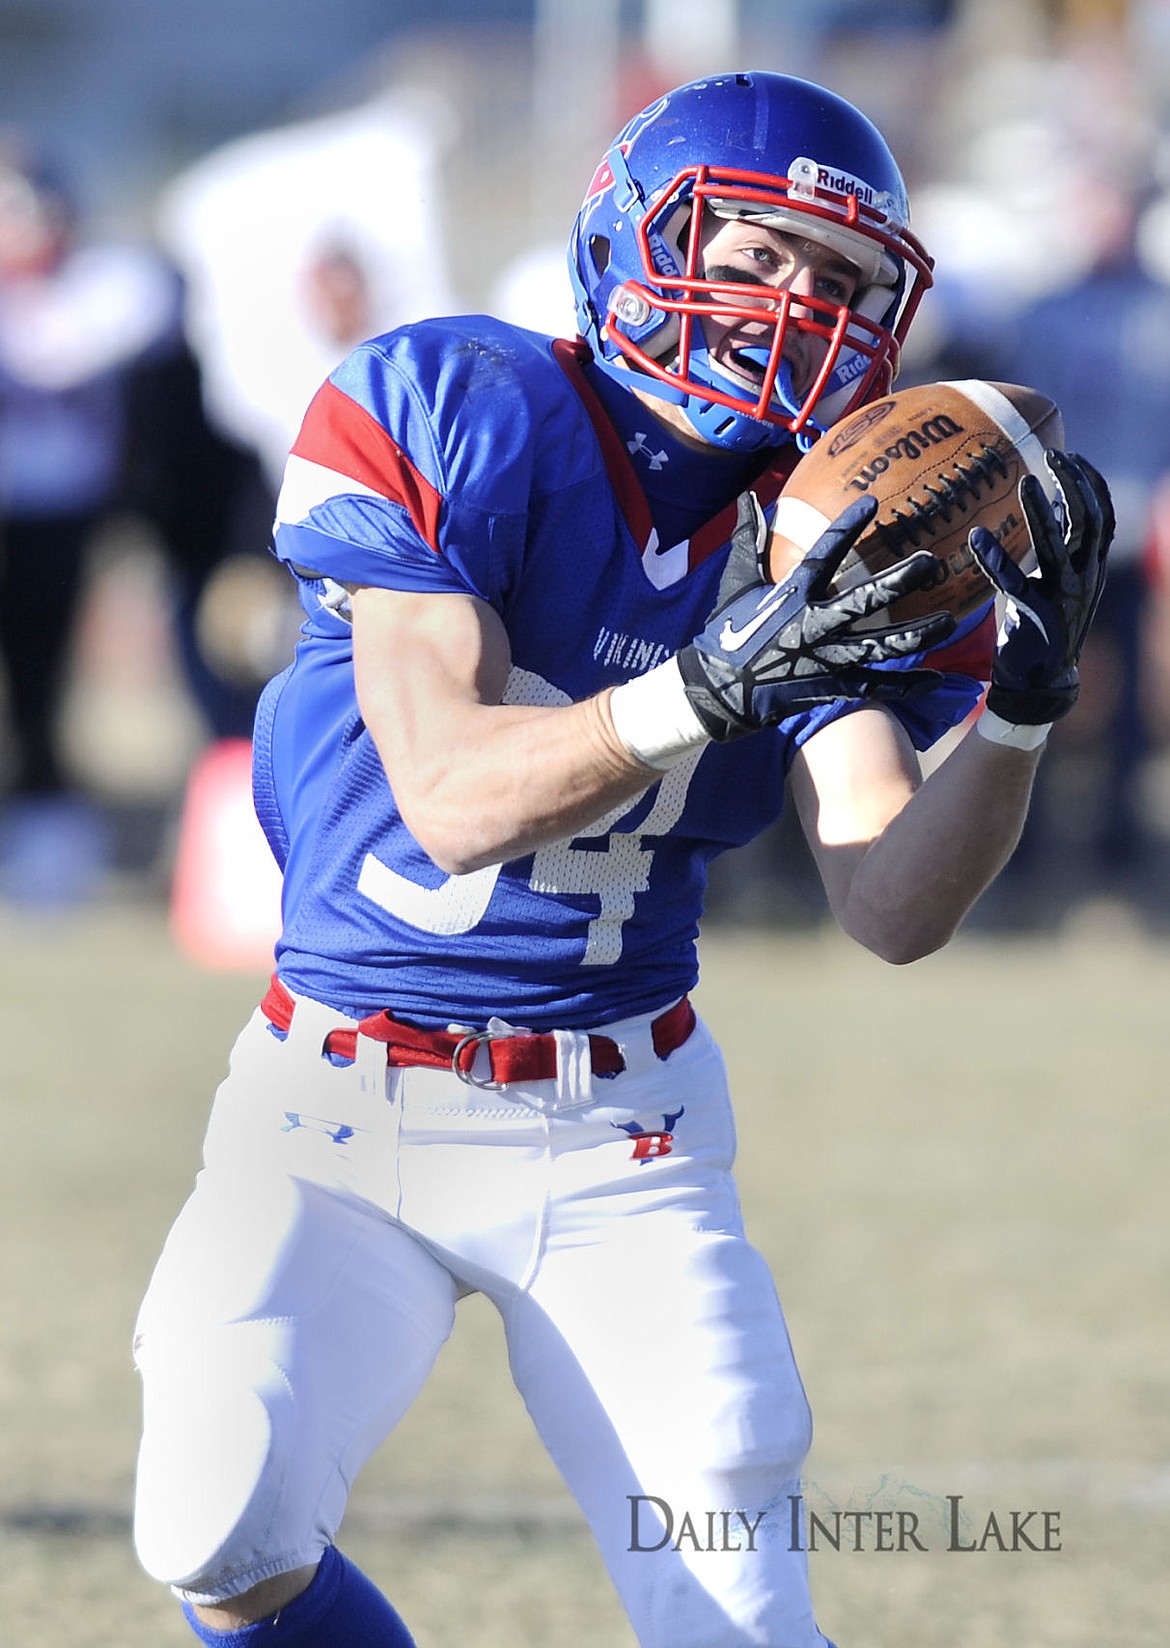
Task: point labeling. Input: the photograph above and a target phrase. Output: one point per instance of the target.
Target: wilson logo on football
(934, 432)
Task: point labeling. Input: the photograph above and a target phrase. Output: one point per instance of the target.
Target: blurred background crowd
(202, 208)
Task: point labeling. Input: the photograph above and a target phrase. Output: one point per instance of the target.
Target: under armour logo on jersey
(649, 1144)
(339, 1132)
(640, 447)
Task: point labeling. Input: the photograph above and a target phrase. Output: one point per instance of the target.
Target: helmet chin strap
(784, 392)
(782, 389)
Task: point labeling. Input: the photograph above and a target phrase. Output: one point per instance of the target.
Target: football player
(541, 684)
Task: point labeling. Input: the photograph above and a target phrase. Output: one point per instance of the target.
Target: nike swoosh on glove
(1047, 614)
(770, 651)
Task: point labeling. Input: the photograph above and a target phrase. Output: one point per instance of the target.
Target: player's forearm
(477, 780)
(915, 883)
(503, 780)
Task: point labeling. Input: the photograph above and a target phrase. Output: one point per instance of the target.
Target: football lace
(951, 494)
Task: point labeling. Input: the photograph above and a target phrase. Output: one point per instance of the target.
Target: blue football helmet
(795, 158)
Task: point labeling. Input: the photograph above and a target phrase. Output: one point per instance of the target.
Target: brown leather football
(940, 458)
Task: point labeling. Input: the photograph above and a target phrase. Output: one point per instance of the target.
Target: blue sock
(340, 1609)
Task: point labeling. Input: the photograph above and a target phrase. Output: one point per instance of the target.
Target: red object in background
(225, 895)
(1156, 548)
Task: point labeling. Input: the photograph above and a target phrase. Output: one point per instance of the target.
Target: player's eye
(834, 290)
(769, 262)
(760, 259)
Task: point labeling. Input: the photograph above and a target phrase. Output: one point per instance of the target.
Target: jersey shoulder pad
(481, 406)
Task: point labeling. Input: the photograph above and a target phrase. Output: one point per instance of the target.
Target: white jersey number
(616, 872)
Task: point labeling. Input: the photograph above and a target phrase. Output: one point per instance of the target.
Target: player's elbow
(900, 952)
(451, 863)
(899, 938)
(899, 918)
(449, 849)
(460, 863)
(451, 838)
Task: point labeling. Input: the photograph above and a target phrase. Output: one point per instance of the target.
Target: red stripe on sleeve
(342, 435)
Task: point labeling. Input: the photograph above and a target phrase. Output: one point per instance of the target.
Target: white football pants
(310, 1280)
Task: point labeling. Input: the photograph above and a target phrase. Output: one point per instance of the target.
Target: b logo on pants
(648, 1144)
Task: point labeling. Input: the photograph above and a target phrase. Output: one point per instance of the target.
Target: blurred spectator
(1100, 347)
(210, 505)
(294, 245)
(74, 319)
(297, 243)
(101, 413)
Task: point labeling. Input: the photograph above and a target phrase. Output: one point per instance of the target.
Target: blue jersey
(469, 456)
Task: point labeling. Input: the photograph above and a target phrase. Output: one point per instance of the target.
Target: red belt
(513, 1058)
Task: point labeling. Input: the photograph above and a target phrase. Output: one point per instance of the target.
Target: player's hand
(1048, 612)
(770, 651)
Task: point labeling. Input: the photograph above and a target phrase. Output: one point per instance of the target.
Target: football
(940, 458)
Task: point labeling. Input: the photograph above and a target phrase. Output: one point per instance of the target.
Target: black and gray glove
(1034, 679)
(770, 651)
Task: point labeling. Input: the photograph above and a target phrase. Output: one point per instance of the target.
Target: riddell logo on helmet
(843, 183)
(806, 176)
(808, 172)
(660, 254)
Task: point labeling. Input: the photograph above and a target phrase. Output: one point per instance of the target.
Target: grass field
(957, 1172)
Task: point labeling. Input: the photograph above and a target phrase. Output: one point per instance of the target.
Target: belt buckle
(476, 1039)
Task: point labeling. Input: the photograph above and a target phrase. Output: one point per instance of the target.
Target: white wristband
(998, 731)
(652, 716)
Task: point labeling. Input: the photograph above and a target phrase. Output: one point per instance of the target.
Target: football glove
(770, 651)
(1047, 613)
